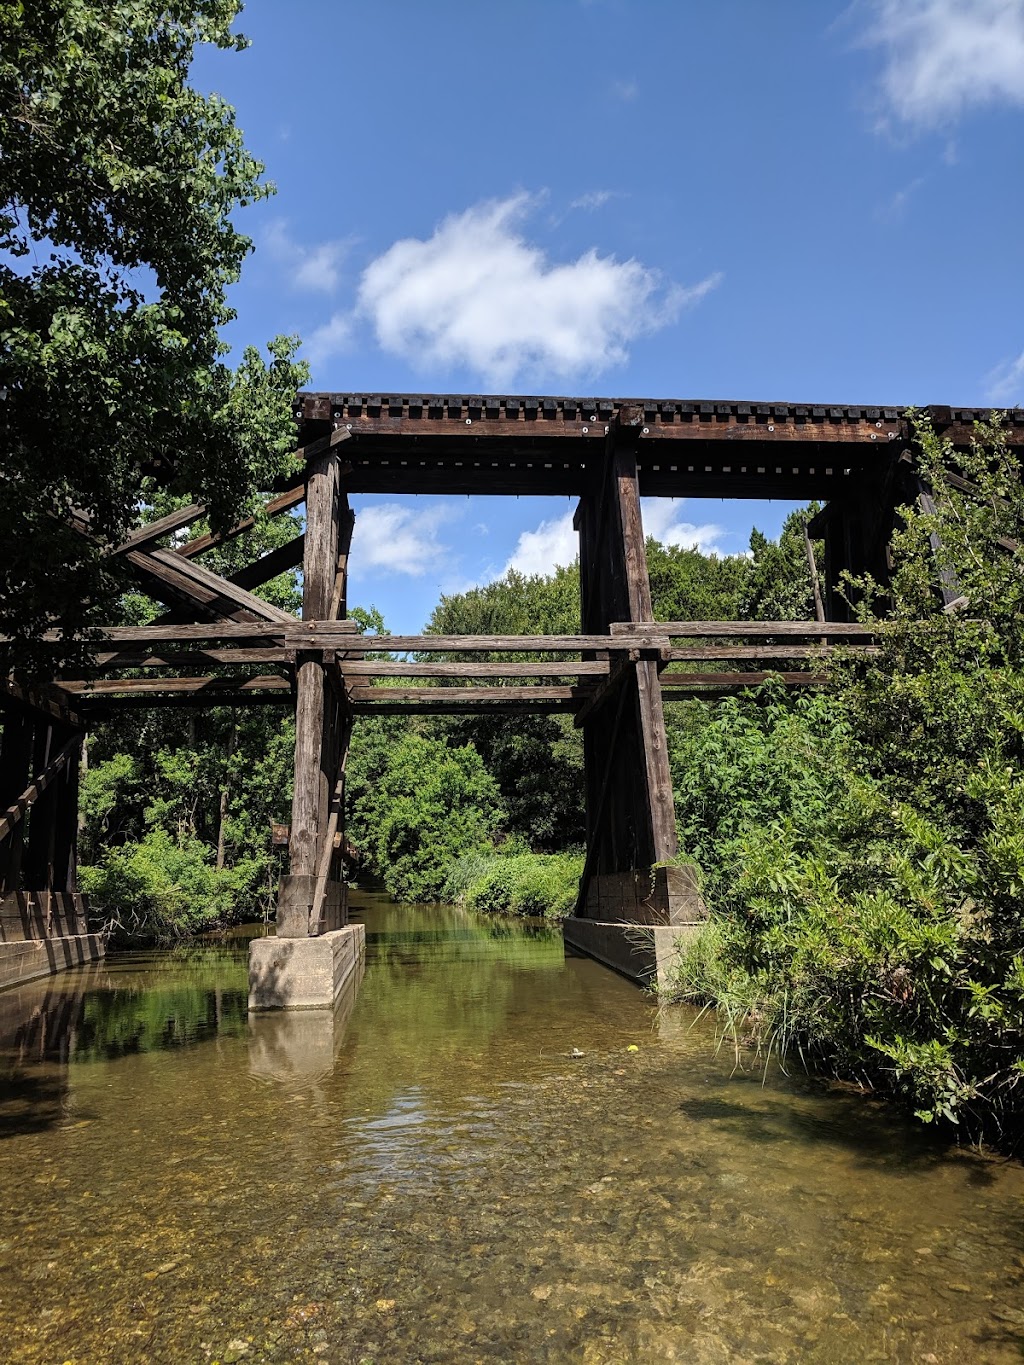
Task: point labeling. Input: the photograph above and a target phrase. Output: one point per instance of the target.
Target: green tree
(117, 185)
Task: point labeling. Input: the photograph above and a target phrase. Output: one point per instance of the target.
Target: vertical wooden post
(630, 808)
(42, 818)
(65, 855)
(15, 760)
(315, 711)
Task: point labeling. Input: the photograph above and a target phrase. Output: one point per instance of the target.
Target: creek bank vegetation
(863, 850)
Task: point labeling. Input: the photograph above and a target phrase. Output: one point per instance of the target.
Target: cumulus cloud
(478, 294)
(328, 339)
(663, 521)
(396, 539)
(1005, 384)
(593, 200)
(316, 268)
(943, 56)
(555, 542)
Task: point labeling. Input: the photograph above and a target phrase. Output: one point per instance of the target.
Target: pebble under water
(430, 1175)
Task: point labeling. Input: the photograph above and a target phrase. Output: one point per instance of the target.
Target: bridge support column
(630, 811)
(315, 950)
(43, 919)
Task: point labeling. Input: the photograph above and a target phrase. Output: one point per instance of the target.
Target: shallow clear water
(430, 1176)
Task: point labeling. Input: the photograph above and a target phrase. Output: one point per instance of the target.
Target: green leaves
(117, 248)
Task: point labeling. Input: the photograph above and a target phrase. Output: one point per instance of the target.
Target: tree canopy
(118, 182)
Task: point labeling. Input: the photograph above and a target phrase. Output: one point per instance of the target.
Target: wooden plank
(331, 634)
(454, 696)
(49, 700)
(268, 566)
(711, 653)
(190, 658)
(754, 630)
(819, 606)
(564, 668)
(144, 536)
(200, 588)
(608, 687)
(96, 687)
(15, 812)
(651, 716)
(280, 502)
(314, 708)
(597, 819)
(147, 636)
(112, 705)
(679, 681)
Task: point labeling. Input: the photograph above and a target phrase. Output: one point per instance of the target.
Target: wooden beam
(16, 811)
(144, 536)
(677, 682)
(819, 606)
(454, 696)
(562, 669)
(137, 686)
(47, 699)
(711, 653)
(190, 658)
(268, 566)
(608, 687)
(280, 502)
(200, 588)
(753, 630)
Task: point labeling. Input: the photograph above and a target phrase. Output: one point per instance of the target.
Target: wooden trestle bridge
(221, 644)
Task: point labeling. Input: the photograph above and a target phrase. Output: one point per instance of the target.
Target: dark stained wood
(564, 668)
(454, 696)
(136, 686)
(191, 658)
(819, 606)
(751, 630)
(145, 536)
(268, 566)
(281, 502)
(675, 682)
(200, 588)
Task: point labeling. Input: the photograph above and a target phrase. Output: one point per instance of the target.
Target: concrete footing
(42, 932)
(646, 953)
(303, 973)
(25, 961)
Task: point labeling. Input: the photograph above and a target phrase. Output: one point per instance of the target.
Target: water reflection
(465, 1162)
(301, 1045)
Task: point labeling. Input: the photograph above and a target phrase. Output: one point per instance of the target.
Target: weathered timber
(689, 681)
(49, 700)
(281, 502)
(752, 630)
(137, 686)
(819, 606)
(318, 734)
(268, 566)
(15, 811)
(563, 668)
(651, 718)
(144, 536)
(454, 696)
(608, 687)
(711, 653)
(190, 658)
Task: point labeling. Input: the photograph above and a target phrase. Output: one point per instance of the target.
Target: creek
(433, 1175)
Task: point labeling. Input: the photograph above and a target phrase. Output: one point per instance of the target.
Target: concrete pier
(42, 932)
(304, 973)
(635, 921)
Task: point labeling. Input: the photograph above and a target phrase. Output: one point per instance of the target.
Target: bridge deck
(498, 444)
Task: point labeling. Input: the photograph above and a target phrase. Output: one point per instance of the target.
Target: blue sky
(805, 200)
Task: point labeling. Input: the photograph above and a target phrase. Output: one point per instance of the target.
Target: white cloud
(400, 540)
(593, 200)
(478, 294)
(316, 268)
(662, 521)
(328, 339)
(1005, 384)
(555, 542)
(943, 56)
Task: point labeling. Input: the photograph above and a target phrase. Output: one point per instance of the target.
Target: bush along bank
(863, 851)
